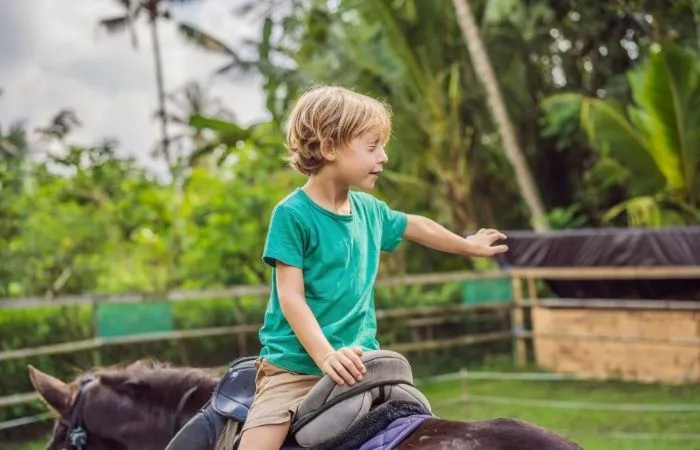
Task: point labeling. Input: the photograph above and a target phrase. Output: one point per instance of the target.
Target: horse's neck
(206, 389)
(184, 389)
(205, 384)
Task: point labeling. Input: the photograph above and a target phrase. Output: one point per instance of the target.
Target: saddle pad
(396, 432)
(373, 423)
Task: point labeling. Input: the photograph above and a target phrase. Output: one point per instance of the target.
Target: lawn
(593, 428)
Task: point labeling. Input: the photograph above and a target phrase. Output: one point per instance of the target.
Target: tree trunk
(484, 71)
(175, 172)
(165, 142)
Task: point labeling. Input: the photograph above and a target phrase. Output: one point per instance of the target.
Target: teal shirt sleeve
(393, 226)
(285, 240)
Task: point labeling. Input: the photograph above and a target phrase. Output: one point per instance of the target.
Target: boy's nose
(383, 157)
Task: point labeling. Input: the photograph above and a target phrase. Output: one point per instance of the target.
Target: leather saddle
(327, 411)
(235, 392)
(231, 400)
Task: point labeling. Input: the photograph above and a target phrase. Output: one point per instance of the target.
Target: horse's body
(141, 406)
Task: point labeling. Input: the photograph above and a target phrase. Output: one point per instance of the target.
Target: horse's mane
(158, 382)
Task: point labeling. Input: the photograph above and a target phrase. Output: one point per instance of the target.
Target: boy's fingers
(342, 371)
(355, 359)
(499, 249)
(351, 365)
(334, 375)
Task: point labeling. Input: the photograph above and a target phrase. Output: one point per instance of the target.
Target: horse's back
(494, 434)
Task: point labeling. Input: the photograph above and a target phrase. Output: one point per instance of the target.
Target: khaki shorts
(278, 394)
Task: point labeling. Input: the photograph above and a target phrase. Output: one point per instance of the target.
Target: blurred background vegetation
(551, 114)
(602, 97)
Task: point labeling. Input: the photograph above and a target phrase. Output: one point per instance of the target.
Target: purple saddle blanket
(396, 432)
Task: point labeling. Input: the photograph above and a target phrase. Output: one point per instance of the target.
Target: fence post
(518, 321)
(96, 355)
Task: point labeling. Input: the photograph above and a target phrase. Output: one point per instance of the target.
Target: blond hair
(331, 115)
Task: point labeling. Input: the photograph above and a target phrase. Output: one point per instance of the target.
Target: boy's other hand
(344, 365)
(481, 242)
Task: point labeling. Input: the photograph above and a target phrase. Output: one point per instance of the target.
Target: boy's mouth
(375, 172)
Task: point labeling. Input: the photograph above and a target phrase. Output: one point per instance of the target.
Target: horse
(142, 405)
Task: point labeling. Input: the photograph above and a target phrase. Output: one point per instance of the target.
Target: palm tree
(485, 73)
(154, 10)
(189, 101)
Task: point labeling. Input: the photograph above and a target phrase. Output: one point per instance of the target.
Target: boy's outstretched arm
(431, 234)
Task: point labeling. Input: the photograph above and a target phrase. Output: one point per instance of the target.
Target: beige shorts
(278, 394)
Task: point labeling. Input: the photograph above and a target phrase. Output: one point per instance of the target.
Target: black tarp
(610, 247)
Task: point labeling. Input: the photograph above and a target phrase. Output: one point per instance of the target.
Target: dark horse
(142, 405)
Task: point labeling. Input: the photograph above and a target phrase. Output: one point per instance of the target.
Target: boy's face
(360, 163)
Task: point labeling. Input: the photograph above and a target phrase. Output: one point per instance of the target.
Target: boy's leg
(278, 393)
(266, 437)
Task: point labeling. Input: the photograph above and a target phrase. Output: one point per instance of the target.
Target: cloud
(54, 56)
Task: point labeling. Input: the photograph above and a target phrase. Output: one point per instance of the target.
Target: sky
(53, 56)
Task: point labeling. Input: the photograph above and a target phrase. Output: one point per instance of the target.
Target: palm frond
(667, 90)
(237, 67)
(61, 124)
(204, 40)
(126, 4)
(641, 212)
(115, 24)
(7, 147)
(245, 8)
(203, 151)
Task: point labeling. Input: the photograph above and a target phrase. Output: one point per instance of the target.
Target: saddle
(231, 400)
(326, 412)
(330, 409)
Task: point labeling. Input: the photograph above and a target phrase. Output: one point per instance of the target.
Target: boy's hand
(344, 365)
(481, 243)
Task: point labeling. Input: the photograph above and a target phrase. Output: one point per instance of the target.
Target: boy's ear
(328, 150)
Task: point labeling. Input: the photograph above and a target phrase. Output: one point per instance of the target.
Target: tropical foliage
(603, 102)
(652, 147)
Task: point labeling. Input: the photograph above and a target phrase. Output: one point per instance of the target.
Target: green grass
(592, 429)
(37, 445)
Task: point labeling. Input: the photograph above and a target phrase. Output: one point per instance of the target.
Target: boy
(324, 244)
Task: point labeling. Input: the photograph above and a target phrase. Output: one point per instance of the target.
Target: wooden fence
(414, 317)
(525, 298)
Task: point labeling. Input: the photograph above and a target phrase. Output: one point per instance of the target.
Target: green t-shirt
(339, 258)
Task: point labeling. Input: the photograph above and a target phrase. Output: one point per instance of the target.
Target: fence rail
(607, 273)
(551, 273)
(95, 343)
(234, 291)
(614, 303)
